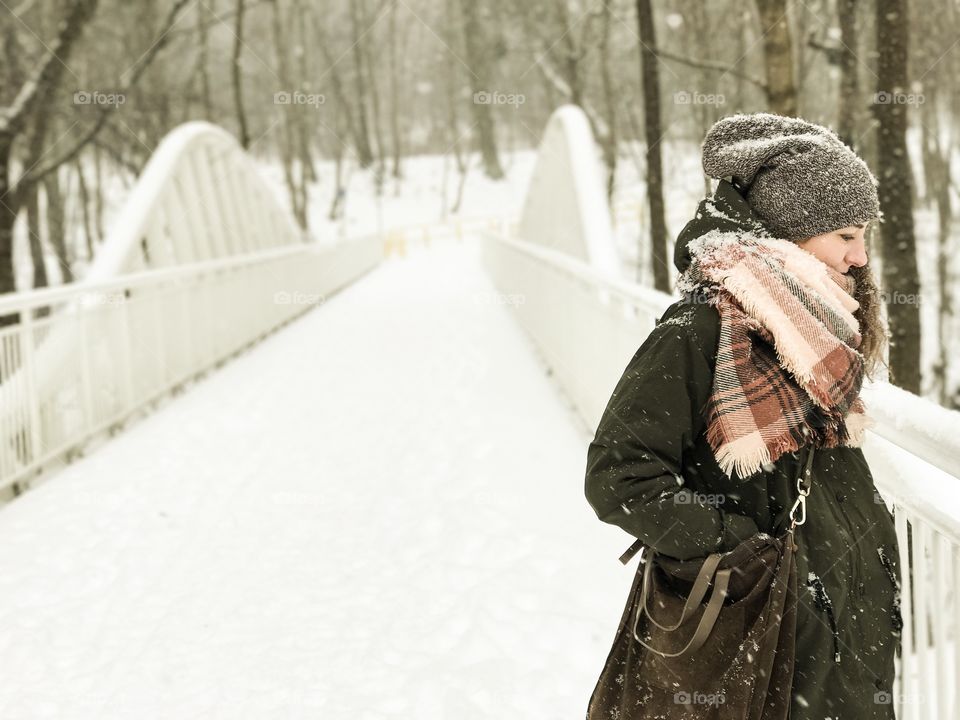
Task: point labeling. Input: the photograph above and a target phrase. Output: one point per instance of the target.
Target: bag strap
(697, 592)
(710, 614)
(631, 551)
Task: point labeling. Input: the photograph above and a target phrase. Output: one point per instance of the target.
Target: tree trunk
(203, 10)
(304, 67)
(479, 64)
(35, 239)
(452, 135)
(653, 133)
(97, 198)
(395, 64)
(364, 151)
(236, 75)
(287, 112)
(849, 100)
(56, 232)
(778, 51)
(609, 141)
(8, 217)
(566, 46)
(376, 116)
(84, 209)
(898, 246)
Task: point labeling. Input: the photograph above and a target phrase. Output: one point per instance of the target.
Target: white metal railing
(109, 348)
(104, 349)
(202, 260)
(587, 327)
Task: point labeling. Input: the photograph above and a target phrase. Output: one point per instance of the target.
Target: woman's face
(840, 249)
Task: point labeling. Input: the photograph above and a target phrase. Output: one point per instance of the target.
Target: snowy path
(377, 513)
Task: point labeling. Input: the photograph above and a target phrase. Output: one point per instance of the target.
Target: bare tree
(364, 152)
(608, 143)
(33, 100)
(778, 52)
(346, 117)
(29, 115)
(478, 57)
(649, 73)
(290, 111)
(848, 108)
(236, 73)
(203, 57)
(898, 246)
(396, 60)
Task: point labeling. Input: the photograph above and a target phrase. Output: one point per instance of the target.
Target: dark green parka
(651, 471)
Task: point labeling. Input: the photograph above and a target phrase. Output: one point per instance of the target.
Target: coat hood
(726, 211)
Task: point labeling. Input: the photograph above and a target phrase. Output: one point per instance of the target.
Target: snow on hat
(801, 179)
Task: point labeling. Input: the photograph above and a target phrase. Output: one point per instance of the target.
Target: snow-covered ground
(376, 513)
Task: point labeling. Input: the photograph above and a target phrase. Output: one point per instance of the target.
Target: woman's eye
(847, 237)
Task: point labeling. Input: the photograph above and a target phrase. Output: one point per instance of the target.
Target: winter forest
(424, 110)
(331, 330)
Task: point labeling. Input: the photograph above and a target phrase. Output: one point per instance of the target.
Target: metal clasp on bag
(802, 492)
(800, 502)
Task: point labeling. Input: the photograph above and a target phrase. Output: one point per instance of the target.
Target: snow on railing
(587, 327)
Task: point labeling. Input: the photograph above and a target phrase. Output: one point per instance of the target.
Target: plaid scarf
(788, 373)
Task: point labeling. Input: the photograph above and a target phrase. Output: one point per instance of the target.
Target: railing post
(127, 349)
(86, 389)
(33, 397)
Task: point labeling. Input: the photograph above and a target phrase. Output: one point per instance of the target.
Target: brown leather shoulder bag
(708, 639)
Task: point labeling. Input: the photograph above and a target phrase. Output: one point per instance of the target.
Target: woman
(702, 440)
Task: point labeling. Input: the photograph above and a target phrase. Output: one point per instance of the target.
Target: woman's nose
(857, 255)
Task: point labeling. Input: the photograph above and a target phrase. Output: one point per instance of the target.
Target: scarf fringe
(747, 455)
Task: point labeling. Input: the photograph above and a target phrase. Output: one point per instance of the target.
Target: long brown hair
(873, 331)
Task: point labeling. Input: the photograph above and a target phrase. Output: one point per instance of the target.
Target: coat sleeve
(633, 477)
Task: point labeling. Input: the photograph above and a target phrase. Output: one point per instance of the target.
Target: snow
(376, 513)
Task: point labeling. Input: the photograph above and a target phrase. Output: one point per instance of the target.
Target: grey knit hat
(801, 179)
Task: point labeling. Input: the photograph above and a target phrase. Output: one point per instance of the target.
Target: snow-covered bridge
(377, 510)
